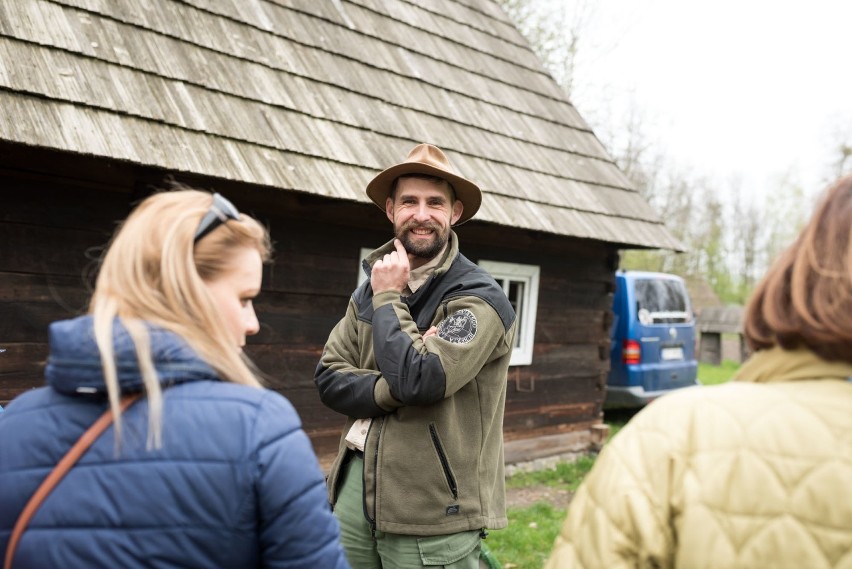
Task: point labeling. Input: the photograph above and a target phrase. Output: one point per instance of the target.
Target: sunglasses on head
(221, 210)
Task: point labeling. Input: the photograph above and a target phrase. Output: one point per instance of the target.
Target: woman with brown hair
(754, 473)
(207, 469)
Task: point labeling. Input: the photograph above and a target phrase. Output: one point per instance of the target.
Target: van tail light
(631, 353)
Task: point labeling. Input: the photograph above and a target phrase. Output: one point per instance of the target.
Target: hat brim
(468, 193)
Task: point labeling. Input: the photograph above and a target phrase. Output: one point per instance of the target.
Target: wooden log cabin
(289, 109)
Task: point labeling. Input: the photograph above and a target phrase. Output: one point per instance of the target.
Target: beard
(421, 248)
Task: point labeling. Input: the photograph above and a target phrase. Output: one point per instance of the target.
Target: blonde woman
(754, 473)
(208, 469)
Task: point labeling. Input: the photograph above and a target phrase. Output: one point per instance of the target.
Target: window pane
(520, 284)
(664, 299)
(516, 298)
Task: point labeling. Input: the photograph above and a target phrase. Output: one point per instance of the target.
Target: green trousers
(395, 551)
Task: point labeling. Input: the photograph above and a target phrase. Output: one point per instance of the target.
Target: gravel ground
(524, 497)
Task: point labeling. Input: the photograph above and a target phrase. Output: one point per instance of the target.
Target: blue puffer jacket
(235, 484)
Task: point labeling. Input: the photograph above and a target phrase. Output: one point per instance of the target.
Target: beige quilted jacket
(755, 473)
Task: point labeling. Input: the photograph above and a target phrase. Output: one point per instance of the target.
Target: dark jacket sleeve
(413, 375)
(343, 386)
(297, 527)
(421, 372)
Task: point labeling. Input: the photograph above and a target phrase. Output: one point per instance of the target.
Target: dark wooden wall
(52, 230)
(53, 226)
(563, 389)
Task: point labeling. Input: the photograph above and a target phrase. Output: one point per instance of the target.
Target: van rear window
(661, 301)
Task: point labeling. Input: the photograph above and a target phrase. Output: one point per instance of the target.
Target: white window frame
(503, 273)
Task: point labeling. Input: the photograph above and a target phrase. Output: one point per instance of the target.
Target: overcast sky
(746, 89)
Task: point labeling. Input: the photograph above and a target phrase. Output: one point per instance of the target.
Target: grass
(713, 375)
(566, 475)
(527, 542)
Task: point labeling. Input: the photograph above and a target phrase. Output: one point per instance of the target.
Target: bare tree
(554, 31)
(785, 212)
(690, 206)
(841, 163)
(746, 228)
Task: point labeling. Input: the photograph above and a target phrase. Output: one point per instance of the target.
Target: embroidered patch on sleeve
(459, 327)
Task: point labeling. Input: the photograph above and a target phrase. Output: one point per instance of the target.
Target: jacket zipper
(445, 464)
(375, 459)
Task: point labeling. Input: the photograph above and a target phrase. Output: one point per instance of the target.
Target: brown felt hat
(429, 160)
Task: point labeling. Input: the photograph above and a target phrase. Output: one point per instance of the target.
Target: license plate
(672, 353)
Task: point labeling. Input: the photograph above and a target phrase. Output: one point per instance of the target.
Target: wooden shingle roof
(721, 319)
(315, 96)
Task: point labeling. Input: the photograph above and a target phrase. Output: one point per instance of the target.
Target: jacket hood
(74, 365)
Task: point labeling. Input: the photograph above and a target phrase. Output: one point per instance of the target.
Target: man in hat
(418, 364)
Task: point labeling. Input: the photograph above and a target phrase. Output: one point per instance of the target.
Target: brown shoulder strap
(59, 471)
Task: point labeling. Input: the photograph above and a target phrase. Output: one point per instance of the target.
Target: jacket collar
(451, 252)
(74, 365)
(776, 365)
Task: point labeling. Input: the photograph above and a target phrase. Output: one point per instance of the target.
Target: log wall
(52, 229)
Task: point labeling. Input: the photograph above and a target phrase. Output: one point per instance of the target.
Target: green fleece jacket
(433, 460)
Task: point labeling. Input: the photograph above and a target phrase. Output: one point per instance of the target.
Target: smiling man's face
(422, 211)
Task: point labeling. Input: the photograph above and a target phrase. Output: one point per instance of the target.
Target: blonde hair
(805, 299)
(154, 272)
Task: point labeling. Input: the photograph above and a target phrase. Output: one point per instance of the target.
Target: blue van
(653, 338)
